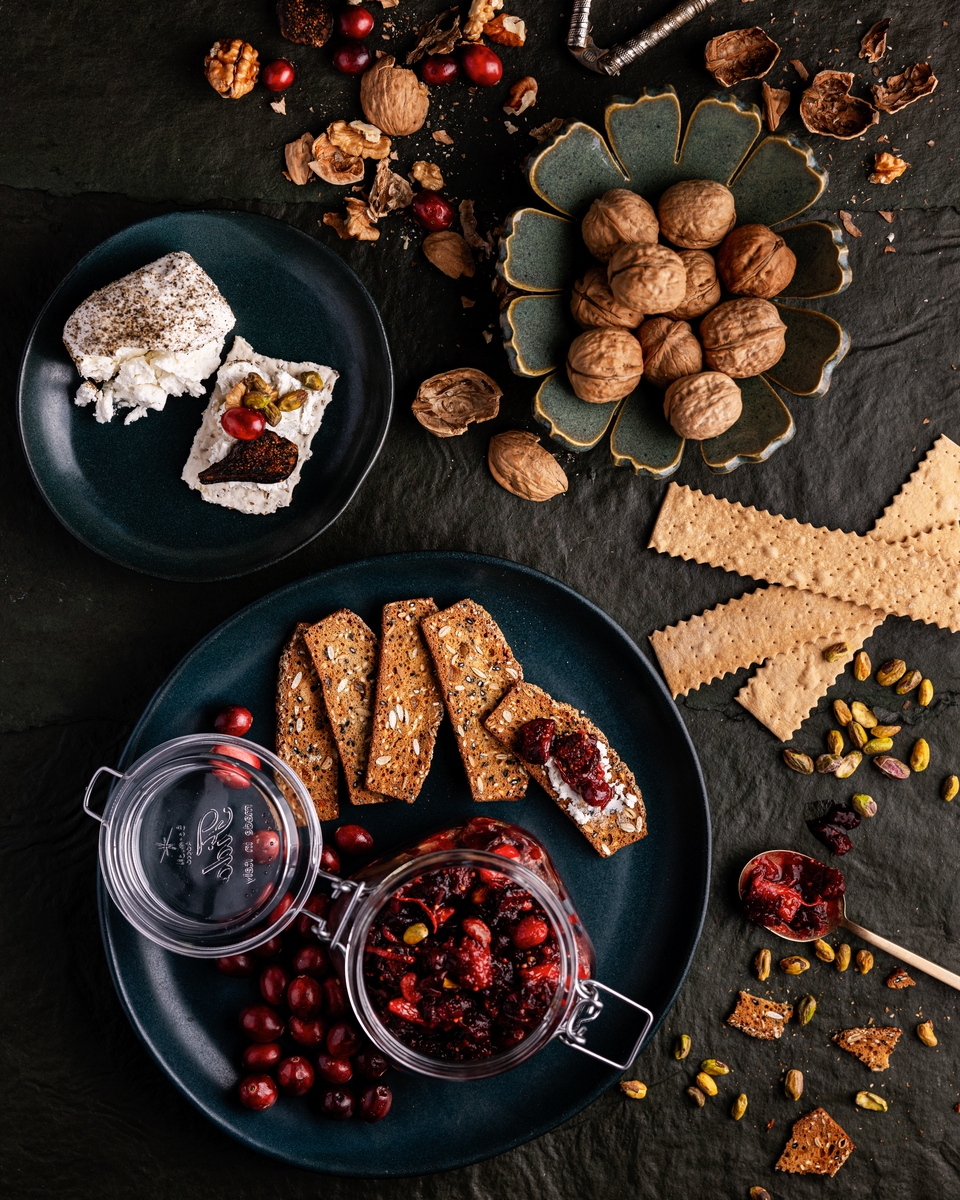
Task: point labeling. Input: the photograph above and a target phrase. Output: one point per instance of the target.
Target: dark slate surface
(107, 120)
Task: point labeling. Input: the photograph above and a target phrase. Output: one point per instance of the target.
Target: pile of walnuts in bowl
(636, 311)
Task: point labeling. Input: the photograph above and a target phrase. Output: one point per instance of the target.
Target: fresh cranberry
(295, 1075)
(319, 905)
(431, 211)
(334, 998)
(370, 1064)
(333, 1069)
(438, 69)
(234, 777)
(261, 1023)
(307, 1033)
(273, 984)
(234, 720)
(283, 905)
(354, 22)
(481, 65)
(303, 997)
(353, 839)
(330, 860)
(271, 948)
(266, 846)
(244, 424)
(312, 959)
(349, 58)
(238, 966)
(536, 740)
(258, 1092)
(529, 933)
(278, 75)
(342, 1040)
(832, 836)
(375, 1102)
(337, 1103)
(260, 1056)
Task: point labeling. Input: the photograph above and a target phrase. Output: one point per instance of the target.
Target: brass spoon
(837, 919)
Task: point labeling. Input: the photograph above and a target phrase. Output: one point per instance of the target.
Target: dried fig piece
(703, 287)
(268, 459)
(827, 107)
(359, 139)
(649, 278)
(334, 165)
(449, 253)
(900, 90)
(393, 98)
(298, 156)
(357, 225)
(702, 406)
(776, 101)
(618, 218)
(742, 338)
(873, 44)
(594, 307)
(389, 192)
(740, 54)
(520, 464)
(447, 403)
(306, 22)
(436, 37)
(604, 365)
(755, 261)
(232, 68)
(696, 213)
(886, 168)
(670, 350)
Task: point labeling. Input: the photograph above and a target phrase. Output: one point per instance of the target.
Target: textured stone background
(107, 120)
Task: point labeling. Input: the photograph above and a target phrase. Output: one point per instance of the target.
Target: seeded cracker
(304, 737)
(525, 702)
(760, 1018)
(476, 668)
(873, 1045)
(344, 652)
(409, 704)
(817, 1146)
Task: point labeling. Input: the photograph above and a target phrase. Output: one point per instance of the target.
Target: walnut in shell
(740, 54)
(617, 218)
(449, 253)
(520, 464)
(702, 406)
(827, 107)
(742, 338)
(604, 365)
(594, 307)
(447, 403)
(232, 68)
(334, 165)
(393, 98)
(306, 22)
(755, 261)
(900, 90)
(696, 213)
(647, 277)
(703, 287)
(670, 350)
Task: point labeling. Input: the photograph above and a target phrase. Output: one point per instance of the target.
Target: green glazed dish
(773, 179)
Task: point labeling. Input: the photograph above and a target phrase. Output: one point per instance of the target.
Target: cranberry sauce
(791, 894)
(575, 755)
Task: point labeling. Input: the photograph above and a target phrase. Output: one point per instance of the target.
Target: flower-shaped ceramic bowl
(541, 254)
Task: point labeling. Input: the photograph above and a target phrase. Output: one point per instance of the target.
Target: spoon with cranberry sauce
(800, 899)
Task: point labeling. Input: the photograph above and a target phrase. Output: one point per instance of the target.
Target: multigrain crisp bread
(475, 669)
(409, 705)
(760, 1018)
(896, 577)
(344, 652)
(304, 737)
(607, 834)
(873, 1045)
(817, 1146)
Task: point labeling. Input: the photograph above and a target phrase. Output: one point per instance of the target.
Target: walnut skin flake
(389, 192)
(848, 224)
(298, 156)
(800, 69)
(776, 101)
(356, 226)
(523, 95)
(900, 90)
(873, 44)
(449, 253)
(886, 214)
(441, 136)
(827, 107)
(543, 132)
(468, 223)
(447, 403)
(428, 175)
(740, 54)
(334, 165)
(436, 38)
(887, 167)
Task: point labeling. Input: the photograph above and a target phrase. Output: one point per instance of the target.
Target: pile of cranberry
(575, 755)
(791, 893)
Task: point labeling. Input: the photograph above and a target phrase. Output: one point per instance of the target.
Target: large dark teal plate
(644, 907)
(118, 488)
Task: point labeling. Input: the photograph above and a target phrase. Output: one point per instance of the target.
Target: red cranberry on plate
(375, 1102)
(234, 777)
(342, 1040)
(439, 68)
(354, 22)
(307, 1033)
(244, 424)
(295, 1076)
(261, 1056)
(432, 211)
(333, 1069)
(234, 720)
(238, 966)
(269, 949)
(319, 905)
(349, 58)
(334, 998)
(274, 981)
(481, 65)
(266, 846)
(258, 1092)
(370, 1064)
(261, 1023)
(329, 860)
(530, 932)
(337, 1103)
(353, 839)
(278, 75)
(303, 997)
(311, 959)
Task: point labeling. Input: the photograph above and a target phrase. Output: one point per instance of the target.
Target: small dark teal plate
(118, 489)
(644, 907)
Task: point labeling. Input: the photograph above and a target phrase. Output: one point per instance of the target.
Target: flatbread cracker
(304, 737)
(817, 1146)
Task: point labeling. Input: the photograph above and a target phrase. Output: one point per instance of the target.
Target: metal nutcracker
(612, 61)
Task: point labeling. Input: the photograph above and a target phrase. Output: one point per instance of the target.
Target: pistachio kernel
(864, 805)
(864, 961)
(878, 745)
(805, 1010)
(837, 650)
(841, 710)
(871, 1101)
(925, 695)
(292, 400)
(892, 767)
(794, 965)
(738, 1109)
(272, 413)
(863, 714)
(885, 730)
(311, 380)
(892, 670)
(798, 762)
(910, 681)
(842, 960)
(697, 1096)
(256, 383)
(828, 764)
(705, 1084)
(793, 1085)
(759, 1193)
(681, 1047)
(633, 1088)
(920, 755)
(415, 933)
(858, 735)
(862, 665)
(256, 400)
(824, 951)
(835, 741)
(950, 787)
(713, 1066)
(761, 965)
(848, 764)
(925, 1033)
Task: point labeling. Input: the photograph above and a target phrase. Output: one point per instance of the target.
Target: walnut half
(447, 403)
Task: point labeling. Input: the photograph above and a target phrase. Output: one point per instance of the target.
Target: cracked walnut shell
(604, 365)
(520, 464)
(594, 307)
(393, 98)
(696, 213)
(334, 165)
(755, 261)
(743, 338)
(447, 403)
(702, 406)
(827, 107)
(617, 218)
(670, 350)
(703, 287)
(740, 54)
(647, 277)
(232, 68)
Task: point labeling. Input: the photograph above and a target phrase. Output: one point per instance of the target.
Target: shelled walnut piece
(232, 68)
(743, 338)
(520, 464)
(886, 168)
(696, 213)
(703, 287)
(650, 278)
(356, 225)
(593, 305)
(449, 253)
(447, 403)
(702, 406)
(393, 98)
(334, 165)
(618, 218)
(670, 350)
(506, 30)
(755, 261)
(604, 365)
(359, 139)
(481, 13)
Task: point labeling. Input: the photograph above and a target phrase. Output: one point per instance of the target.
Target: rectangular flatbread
(624, 820)
(475, 669)
(304, 737)
(409, 704)
(344, 652)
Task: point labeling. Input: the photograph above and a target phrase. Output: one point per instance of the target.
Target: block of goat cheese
(157, 332)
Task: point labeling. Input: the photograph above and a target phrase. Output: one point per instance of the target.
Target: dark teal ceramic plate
(644, 907)
(118, 488)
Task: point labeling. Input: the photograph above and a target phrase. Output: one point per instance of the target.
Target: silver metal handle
(574, 1034)
(612, 61)
(90, 786)
(338, 887)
